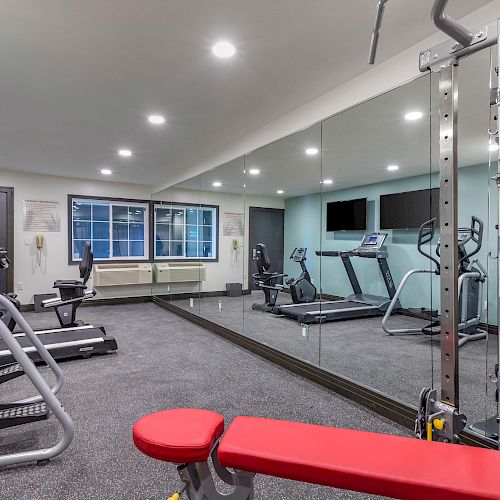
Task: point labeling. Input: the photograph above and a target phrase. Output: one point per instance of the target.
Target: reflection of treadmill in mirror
(359, 304)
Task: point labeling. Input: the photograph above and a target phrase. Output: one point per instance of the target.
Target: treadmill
(66, 342)
(357, 305)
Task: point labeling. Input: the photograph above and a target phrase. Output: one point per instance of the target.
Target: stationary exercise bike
(301, 289)
(72, 292)
(268, 282)
(471, 279)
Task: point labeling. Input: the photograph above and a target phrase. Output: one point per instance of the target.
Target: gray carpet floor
(162, 362)
(361, 351)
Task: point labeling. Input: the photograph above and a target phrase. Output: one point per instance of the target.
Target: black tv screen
(346, 215)
(408, 210)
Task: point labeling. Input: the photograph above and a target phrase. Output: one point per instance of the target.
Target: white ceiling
(358, 144)
(79, 77)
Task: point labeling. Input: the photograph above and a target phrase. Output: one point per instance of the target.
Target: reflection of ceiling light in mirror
(413, 115)
(328, 181)
(106, 171)
(392, 168)
(280, 191)
(216, 184)
(126, 153)
(312, 151)
(223, 49)
(156, 119)
(254, 171)
(493, 147)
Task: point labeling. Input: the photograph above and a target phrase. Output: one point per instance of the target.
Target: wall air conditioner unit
(179, 272)
(122, 274)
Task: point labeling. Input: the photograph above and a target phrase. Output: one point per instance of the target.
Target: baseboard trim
(99, 302)
(375, 401)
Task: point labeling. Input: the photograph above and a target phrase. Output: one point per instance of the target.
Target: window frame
(159, 204)
(118, 201)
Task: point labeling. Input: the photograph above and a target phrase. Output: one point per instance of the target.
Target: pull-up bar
(376, 31)
(448, 25)
(444, 23)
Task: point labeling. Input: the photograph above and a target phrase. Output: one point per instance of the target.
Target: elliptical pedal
(21, 413)
(11, 371)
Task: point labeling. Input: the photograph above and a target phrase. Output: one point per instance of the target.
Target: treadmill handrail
(46, 394)
(37, 344)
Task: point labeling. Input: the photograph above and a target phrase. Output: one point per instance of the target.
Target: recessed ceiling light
(391, 168)
(312, 151)
(413, 115)
(156, 119)
(280, 191)
(493, 147)
(126, 153)
(328, 181)
(106, 171)
(216, 184)
(223, 49)
(254, 171)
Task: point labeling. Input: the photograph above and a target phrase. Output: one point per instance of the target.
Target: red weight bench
(380, 464)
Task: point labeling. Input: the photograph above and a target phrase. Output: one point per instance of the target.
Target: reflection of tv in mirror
(408, 210)
(347, 215)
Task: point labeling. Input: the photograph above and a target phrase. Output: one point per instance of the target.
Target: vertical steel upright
(444, 59)
(448, 100)
(496, 139)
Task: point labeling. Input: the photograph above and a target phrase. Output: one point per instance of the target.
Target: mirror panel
(177, 272)
(380, 165)
(478, 197)
(283, 202)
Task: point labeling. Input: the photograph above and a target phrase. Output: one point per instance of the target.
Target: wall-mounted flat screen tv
(347, 215)
(408, 210)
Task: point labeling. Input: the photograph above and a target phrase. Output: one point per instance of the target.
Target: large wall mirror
(324, 245)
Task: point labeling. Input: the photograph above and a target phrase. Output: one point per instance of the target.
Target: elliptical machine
(301, 289)
(472, 277)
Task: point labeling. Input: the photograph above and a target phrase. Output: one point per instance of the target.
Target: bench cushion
(380, 464)
(180, 436)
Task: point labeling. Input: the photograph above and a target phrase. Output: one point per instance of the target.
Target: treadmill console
(372, 245)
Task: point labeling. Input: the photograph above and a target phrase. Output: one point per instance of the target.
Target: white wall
(39, 279)
(232, 265)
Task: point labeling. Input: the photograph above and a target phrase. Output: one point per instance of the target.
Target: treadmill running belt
(329, 306)
(64, 344)
(331, 311)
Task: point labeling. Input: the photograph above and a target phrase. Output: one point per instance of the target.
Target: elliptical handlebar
(476, 235)
(426, 234)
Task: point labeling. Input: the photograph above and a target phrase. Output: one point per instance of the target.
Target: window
(185, 232)
(117, 230)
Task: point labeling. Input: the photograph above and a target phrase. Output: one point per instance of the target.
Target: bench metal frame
(199, 480)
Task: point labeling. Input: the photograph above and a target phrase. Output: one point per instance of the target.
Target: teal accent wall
(305, 225)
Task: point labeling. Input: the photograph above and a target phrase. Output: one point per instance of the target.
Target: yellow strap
(175, 496)
(429, 431)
